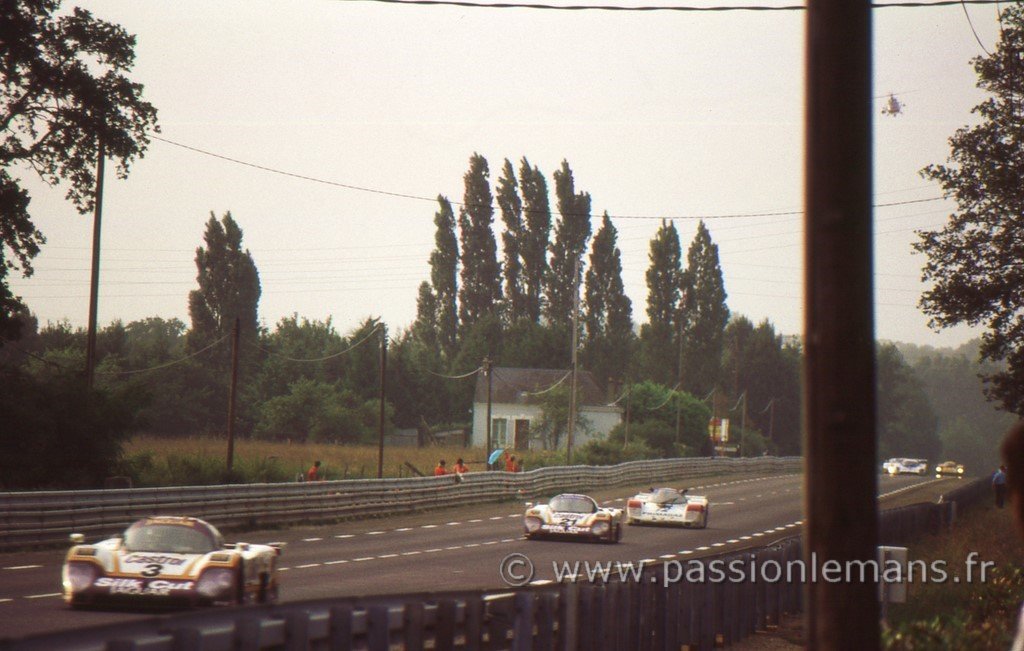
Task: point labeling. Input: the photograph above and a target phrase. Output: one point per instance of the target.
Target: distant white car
(906, 466)
(668, 506)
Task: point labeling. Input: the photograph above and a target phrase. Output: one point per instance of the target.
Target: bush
(609, 453)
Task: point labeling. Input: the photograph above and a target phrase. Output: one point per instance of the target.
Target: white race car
(573, 516)
(906, 466)
(668, 506)
(169, 561)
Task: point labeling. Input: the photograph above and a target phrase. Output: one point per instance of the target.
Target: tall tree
(608, 316)
(65, 89)
(480, 292)
(974, 262)
(704, 314)
(229, 285)
(444, 266)
(907, 424)
(424, 330)
(656, 336)
(537, 231)
(511, 206)
(571, 234)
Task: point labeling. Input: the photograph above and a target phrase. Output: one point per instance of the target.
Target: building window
(499, 432)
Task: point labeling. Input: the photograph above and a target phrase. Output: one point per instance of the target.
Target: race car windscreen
(564, 504)
(666, 496)
(167, 538)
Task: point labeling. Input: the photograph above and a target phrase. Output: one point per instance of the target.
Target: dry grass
(276, 461)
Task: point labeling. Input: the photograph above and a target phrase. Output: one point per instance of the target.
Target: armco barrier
(47, 517)
(665, 607)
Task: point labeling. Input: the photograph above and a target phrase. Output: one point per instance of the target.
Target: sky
(679, 115)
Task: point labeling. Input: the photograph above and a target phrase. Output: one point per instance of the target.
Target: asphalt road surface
(455, 549)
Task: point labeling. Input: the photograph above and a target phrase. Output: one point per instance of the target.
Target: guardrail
(47, 517)
(663, 606)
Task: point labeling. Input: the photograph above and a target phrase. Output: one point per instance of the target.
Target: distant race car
(951, 468)
(169, 561)
(573, 516)
(668, 506)
(906, 466)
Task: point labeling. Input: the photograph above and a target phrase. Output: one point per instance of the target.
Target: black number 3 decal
(152, 570)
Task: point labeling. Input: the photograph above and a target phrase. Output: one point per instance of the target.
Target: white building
(516, 397)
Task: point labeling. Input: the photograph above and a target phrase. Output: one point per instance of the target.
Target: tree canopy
(975, 261)
(65, 90)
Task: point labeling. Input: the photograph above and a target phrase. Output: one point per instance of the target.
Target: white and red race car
(573, 516)
(169, 561)
(668, 506)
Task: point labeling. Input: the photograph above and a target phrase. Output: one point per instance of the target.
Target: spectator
(1013, 484)
(999, 485)
(510, 463)
(440, 470)
(313, 474)
(460, 467)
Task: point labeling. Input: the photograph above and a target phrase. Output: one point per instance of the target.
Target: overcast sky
(660, 114)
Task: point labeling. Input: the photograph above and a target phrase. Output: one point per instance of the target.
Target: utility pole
(383, 393)
(575, 345)
(232, 393)
(629, 396)
(94, 285)
(743, 425)
(841, 518)
(487, 374)
(679, 367)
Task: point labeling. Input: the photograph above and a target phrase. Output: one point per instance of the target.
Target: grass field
(195, 460)
(950, 615)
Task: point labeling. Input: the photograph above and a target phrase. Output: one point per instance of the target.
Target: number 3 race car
(668, 506)
(575, 516)
(169, 561)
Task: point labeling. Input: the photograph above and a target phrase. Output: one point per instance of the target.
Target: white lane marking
(667, 556)
(335, 562)
(723, 503)
(497, 517)
(431, 551)
(757, 535)
(283, 569)
(490, 542)
(374, 533)
(3, 601)
(686, 551)
(541, 582)
(647, 561)
(22, 567)
(515, 515)
(346, 535)
(312, 539)
(472, 545)
(404, 529)
(43, 596)
(745, 537)
(718, 544)
(453, 547)
(508, 540)
(362, 558)
(703, 549)
(411, 553)
(475, 520)
(451, 524)
(302, 567)
(732, 541)
(387, 556)
(791, 525)
(428, 526)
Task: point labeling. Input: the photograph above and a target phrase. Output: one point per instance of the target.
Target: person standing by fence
(999, 485)
(440, 470)
(313, 474)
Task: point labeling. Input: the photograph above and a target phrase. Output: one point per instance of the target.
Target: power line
(651, 8)
(168, 364)
(375, 330)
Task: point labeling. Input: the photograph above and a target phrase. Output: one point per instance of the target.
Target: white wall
(600, 421)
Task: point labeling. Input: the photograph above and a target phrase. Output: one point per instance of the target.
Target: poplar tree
(229, 286)
(704, 314)
(511, 206)
(663, 287)
(608, 312)
(424, 330)
(571, 234)
(444, 263)
(480, 291)
(537, 231)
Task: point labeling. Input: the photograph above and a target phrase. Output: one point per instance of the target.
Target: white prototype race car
(906, 466)
(169, 561)
(668, 506)
(573, 516)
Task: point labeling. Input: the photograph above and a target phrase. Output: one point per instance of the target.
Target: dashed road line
(22, 567)
(43, 596)
(312, 539)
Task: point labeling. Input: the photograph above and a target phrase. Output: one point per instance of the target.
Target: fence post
(296, 626)
(568, 626)
(341, 627)
(546, 620)
(444, 631)
(377, 633)
(412, 622)
(472, 627)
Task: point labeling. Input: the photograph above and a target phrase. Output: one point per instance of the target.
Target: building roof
(522, 386)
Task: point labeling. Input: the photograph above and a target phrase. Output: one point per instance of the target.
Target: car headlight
(79, 576)
(532, 524)
(600, 528)
(216, 582)
(959, 471)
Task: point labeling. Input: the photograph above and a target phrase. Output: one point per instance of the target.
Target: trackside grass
(198, 460)
(952, 615)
